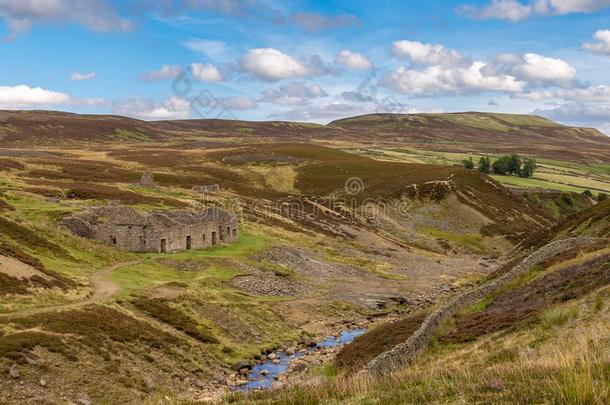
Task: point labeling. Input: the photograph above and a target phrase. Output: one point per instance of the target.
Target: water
(256, 380)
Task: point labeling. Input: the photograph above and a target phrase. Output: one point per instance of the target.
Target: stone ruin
(147, 180)
(155, 231)
(208, 188)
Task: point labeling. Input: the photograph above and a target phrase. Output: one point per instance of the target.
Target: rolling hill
(453, 132)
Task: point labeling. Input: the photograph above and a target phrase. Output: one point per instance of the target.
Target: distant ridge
(470, 132)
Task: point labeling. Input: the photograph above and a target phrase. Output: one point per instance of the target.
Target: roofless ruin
(155, 231)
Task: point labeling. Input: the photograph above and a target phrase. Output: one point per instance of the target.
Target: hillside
(330, 241)
(540, 338)
(454, 132)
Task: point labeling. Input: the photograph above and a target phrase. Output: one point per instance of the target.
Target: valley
(339, 230)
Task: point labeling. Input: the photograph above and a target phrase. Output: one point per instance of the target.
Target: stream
(261, 376)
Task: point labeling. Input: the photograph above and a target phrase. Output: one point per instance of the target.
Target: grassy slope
(543, 339)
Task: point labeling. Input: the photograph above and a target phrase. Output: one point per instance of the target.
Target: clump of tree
(505, 165)
(468, 163)
(485, 165)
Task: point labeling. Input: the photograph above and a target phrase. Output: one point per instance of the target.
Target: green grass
(520, 182)
(126, 135)
(473, 241)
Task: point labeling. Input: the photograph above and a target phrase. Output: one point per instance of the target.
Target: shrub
(602, 197)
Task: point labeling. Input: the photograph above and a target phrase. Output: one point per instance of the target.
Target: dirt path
(103, 289)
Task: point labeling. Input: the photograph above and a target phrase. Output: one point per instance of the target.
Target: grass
(566, 364)
(472, 241)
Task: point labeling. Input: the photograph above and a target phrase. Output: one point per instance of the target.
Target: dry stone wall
(406, 352)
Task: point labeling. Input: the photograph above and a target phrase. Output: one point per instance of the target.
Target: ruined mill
(155, 231)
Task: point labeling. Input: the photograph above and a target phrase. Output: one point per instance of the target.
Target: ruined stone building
(155, 231)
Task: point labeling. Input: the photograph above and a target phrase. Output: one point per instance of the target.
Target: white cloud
(602, 46)
(535, 95)
(172, 108)
(23, 96)
(533, 68)
(353, 60)
(271, 65)
(206, 72)
(97, 15)
(292, 93)
(450, 80)
(319, 22)
(208, 47)
(82, 76)
(510, 10)
(428, 54)
(514, 10)
(165, 72)
(579, 113)
(321, 112)
(237, 103)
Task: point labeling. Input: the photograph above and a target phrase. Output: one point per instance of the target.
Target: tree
(587, 193)
(528, 168)
(485, 165)
(514, 164)
(502, 165)
(468, 163)
(602, 197)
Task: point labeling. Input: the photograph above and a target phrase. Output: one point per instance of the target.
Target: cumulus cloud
(534, 68)
(436, 69)
(165, 72)
(172, 108)
(319, 22)
(292, 93)
(23, 96)
(353, 60)
(514, 10)
(450, 80)
(324, 111)
(602, 46)
(82, 76)
(271, 65)
(206, 72)
(428, 54)
(579, 113)
(97, 15)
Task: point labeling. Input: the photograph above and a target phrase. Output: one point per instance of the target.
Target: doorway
(188, 242)
(214, 241)
(163, 246)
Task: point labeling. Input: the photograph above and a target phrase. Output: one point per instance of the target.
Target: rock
(276, 361)
(199, 384)
(244, 371)
(83, 401)
(272, 356)
(290, 351)
(149, 384)
(242, 364)
(241, 382)
(13, 372)
(42, 383)
(300, 367)
(264, 372)
(307, 341)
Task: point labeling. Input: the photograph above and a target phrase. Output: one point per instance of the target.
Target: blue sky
(307, 60)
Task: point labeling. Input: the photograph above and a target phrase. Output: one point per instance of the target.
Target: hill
(454, 132)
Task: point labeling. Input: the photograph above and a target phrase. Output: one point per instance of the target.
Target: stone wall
(403, 354)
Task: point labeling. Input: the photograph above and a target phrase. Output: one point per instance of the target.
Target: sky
(312, 61)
